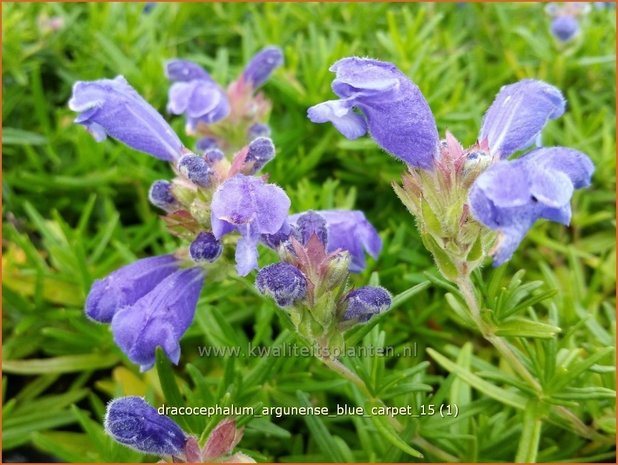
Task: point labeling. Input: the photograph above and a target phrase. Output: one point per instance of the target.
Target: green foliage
(75, 210)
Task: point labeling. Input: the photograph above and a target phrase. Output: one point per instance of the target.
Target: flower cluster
(318, 250)
(462, 198)
(135, 423)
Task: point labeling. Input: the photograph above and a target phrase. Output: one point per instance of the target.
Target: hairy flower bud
(205, 248)
(261, 151)
(365, 302)
(311, 223)
(283, 282)
(196, 169)
(262, 65)
(206, 143)
(133, 422)
(213, 155)
(160, 195)
(258, 130)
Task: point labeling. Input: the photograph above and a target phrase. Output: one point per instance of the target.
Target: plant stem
(464, 283)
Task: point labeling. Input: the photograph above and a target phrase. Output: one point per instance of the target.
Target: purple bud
(205, 248)
(262, 65)
(283, 282)
(564, 27)
(312, 223)
(258, 130)
(184, 71)
(160, 194)
(393, 110)
(261, 151)
(518, 114)
(133, 422)
(365, 302)
(196, 169)
(275, 240)
(112, 107)
(126, 286)
(206, 143)
(159, 319)
(213, 155)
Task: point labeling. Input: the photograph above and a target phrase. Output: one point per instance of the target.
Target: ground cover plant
(383, 288)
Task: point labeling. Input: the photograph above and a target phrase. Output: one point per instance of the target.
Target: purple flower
(133, 422)
(365, 302)
(111, 107)
(262, 65)
(564, 27)
(250, 206)
(518, 114)
(392, 109)
(126, 286)
(261, 150)
(205, 248)
(511, 195)
(349, 230)
(194, 94)
(283, 282)
(213, 155)
(159, 318)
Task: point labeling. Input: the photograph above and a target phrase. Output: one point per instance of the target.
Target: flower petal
(347, 122)
(114, 107)
(159, 319)
(184, 71)
(262, 66)
(518, 114)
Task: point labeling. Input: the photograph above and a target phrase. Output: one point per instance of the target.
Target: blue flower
(126, 286)
(195, 94)
(392, 109)
(511, 195)
(159, 318)
(366, 302)
(112, 107)
(283, 282)
(250, 206)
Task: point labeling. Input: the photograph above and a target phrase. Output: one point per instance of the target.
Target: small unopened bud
(258, 130)
(206, 143)
(262, 65)
(283, 282)
(365, 302)
(205, 248)
(133, 422)
(476, 161)
(311, 223)
(213, 155)
(160, 194)
(196, 169)
(261, 151)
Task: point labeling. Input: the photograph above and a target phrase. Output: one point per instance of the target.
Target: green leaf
(501, 395)
(520, 327)
(387, 432)
(62, 364)
(528, 447)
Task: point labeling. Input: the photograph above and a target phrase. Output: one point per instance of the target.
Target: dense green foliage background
(74, 210)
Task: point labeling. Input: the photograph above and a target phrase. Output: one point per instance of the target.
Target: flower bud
(262, 65)
(133, 422)
(206, 143)
(258, 130)
(160, 194)
(365, 302)
(213, 155)
(261, 151)
(205, 248)
(283, 282)
(196, 169)
(311, 223)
